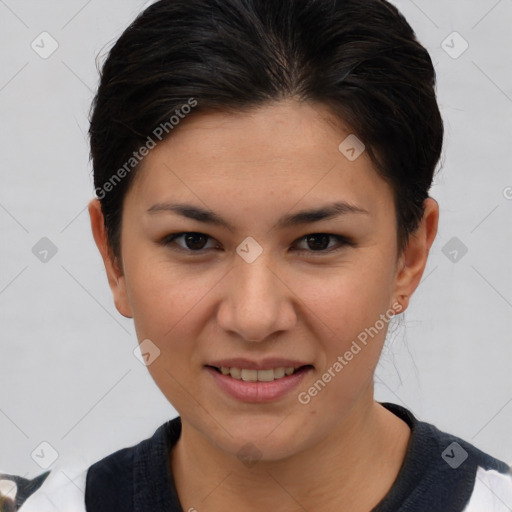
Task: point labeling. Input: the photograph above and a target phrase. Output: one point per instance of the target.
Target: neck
(351, 469)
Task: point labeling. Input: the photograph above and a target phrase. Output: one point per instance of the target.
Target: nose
(256, 303)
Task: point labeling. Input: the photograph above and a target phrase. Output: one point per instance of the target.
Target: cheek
(163, 294)
(351, 335)
(171, 302)
(344, 311)
(347, 299)
(168, 305)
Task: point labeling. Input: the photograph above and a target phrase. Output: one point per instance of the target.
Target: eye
(192, 242)
(320, 242)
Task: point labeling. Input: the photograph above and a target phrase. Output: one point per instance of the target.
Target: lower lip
(259, 392)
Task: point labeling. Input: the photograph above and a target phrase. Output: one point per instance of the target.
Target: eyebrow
(293, 219)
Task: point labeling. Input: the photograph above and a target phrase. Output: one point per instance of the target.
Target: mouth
(253, 375)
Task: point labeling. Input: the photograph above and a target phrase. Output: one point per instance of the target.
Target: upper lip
(265, 364)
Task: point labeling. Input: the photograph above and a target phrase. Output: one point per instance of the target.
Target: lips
(254, 385)
(265, 364)
(266, 370)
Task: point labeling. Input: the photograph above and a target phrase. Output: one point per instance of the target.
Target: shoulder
(109, 481)
(444, 472)
(135, 475)
(491, 480)
(72, 486)
(492, 492)
(61, 488)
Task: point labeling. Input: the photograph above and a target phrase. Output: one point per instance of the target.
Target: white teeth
(251, 375)
(236, 373)
(266, 375)
(279, 372)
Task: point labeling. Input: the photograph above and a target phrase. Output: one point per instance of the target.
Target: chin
(265, 440)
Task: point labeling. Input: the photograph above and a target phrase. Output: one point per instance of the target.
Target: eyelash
(170, 239)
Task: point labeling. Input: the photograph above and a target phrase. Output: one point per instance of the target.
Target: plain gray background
(68, 374)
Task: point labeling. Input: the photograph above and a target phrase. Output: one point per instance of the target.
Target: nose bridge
(255, 303)
(256, 282)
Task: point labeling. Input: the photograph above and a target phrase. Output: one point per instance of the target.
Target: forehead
(289, 148)
(288, 130)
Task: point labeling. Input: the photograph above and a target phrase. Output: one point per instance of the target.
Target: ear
(412, 261)
(116, 278)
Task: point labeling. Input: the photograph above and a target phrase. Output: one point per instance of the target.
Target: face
(251, 241)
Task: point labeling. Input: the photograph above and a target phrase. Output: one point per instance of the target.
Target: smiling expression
(250, 242)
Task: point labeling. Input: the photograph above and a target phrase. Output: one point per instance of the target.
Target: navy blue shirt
(439, 474)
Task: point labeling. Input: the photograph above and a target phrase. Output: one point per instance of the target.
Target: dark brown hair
(359, 57)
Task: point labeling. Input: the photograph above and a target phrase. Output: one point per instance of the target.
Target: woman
(262, 172)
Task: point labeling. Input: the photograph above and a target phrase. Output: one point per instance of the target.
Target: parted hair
(358, 57)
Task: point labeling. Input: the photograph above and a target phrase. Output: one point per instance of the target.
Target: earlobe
(115, 275)
(400, 304)
(414, 258)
